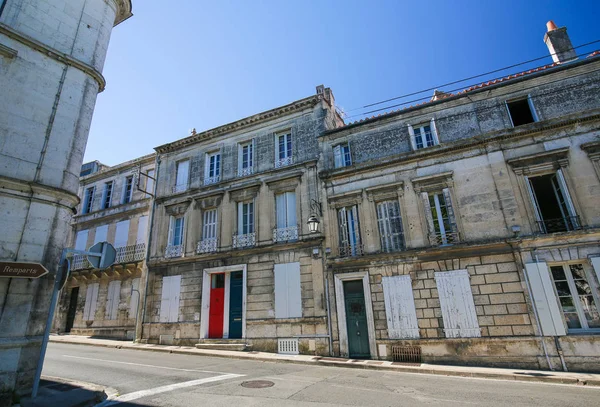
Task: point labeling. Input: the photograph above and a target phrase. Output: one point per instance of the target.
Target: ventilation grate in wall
(407, 354)
(287, 346)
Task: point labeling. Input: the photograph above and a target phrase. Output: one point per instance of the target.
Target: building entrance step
(222, 344)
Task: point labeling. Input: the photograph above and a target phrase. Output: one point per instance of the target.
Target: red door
(217, 302)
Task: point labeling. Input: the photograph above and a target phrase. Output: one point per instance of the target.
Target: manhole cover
(258, 384)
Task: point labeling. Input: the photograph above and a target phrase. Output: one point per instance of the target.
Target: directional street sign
(21, 269)
(107, 258)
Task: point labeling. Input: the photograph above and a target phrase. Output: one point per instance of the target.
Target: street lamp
(313, 220)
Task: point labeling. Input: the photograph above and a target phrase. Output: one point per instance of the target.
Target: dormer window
(341, 156)
(423, 135)
(521, 111)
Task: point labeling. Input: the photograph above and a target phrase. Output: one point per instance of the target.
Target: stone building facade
(115, 206)
(232, 263)
(51, 57)
(469, 226)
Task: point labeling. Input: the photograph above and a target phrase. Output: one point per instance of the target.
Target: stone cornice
(117, 169)
(54, 54)
(123, 11)
(38, 192)
(241, 124)
(114, 212)
(540, 161)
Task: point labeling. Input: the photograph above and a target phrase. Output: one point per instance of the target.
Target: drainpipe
(150, 229)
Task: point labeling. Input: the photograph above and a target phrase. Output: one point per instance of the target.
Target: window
(88, 199)
(440, 217)
(285, 207)
(212, 169)
(521, 111)
(182, 177)
(91, 301)
(169, 300)
(106, 198)
(456, 301)
(400, 307)
(288, 293)
(128, 190)
(245, 226)
(101, 234)
(341, 156)
(112, 300)
(150, 182)
(390, 226)
(350, 244)
(122, 234)
(284, 150)
(423, 135)
(554, 210)
(246, 159)
(577, 296)
(176, 232)
(81, 240)
(208, 243)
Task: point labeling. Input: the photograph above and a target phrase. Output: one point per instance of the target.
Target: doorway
(356, 320)
(217, 305)
(236, 283)
(72, 309)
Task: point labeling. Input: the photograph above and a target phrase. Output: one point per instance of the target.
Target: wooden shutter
(142, 230)
(122, 233)
(165, 300)
(112, 300)
(400, 308)
(456, 301)
(281, 208)
(428, 217)
(434, 133)
(596, 265)
(290, 201)
(343, 228)
(337, 157)
(288, 292)
(101, 233)
(91, 299)
(565, 192)
(544, 299)
(411, 134)
(135, 297)
(150, 181)
(536, 208)
(174, 298)
(81, 240)
(209, 229)
(183, 168)
(240, 222)
(450, 211)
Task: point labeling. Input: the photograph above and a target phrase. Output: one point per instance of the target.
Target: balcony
(242, 241)
(443, 239)
(207, 246)
(174, 251)
(130, 254)
(212, 180)
(180, 188)
(565, 224)
(244, 172)
(288, 234)
(351, 250)
(80, 262)
(282, 162)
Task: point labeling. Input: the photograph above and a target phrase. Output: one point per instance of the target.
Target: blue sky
(177, 65)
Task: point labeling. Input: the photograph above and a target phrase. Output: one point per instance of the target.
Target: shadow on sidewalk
(58, 393)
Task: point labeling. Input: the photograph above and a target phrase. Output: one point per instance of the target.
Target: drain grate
(258, 384)
(407, 354)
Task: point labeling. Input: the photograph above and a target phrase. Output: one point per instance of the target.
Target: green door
(356, 319)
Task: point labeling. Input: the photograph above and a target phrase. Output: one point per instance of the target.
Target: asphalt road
(160, 379)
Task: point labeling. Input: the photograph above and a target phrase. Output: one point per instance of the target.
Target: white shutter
(280, 209)
(456, 301)
(91, 299)
(291, 208)
(240, 224)
(81, 240)
(101, 233)
(142, 230)
(165, 299)
(175, 295)
(411, 133)
(400, 307)
(544, 299)
(288, 291)
(450, 211)
(434, 132)
(135, 297)
(596, 265)
(565, 192)
(343, 228)
(428, 216)
(209, 229)
(122, 234)
(183, 168)
(113, 299)
(337, 156)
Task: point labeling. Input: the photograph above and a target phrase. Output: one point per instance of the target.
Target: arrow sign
(22, 269)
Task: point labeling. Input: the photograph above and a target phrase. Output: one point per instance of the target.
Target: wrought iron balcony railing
(241, 241)
(282, 162)
(207, 245)
(212, 180)
(244, 172)
(180, 188)
(351, 250)
(442, 239)
(288, 234)
(174, 251)
(129, 254)
(565, 224)
(392, 243)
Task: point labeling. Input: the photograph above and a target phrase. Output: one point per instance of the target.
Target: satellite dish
(107, 258)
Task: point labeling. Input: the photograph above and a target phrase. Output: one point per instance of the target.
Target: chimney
(558, 43)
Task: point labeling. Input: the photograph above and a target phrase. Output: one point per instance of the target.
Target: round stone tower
(51, 58)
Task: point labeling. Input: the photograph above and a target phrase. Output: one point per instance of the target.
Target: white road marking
(163, 389)
(143, 365)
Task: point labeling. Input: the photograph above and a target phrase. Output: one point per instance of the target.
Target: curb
(402, 369)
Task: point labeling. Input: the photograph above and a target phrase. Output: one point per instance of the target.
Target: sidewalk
(58, 392)
(588, 379)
